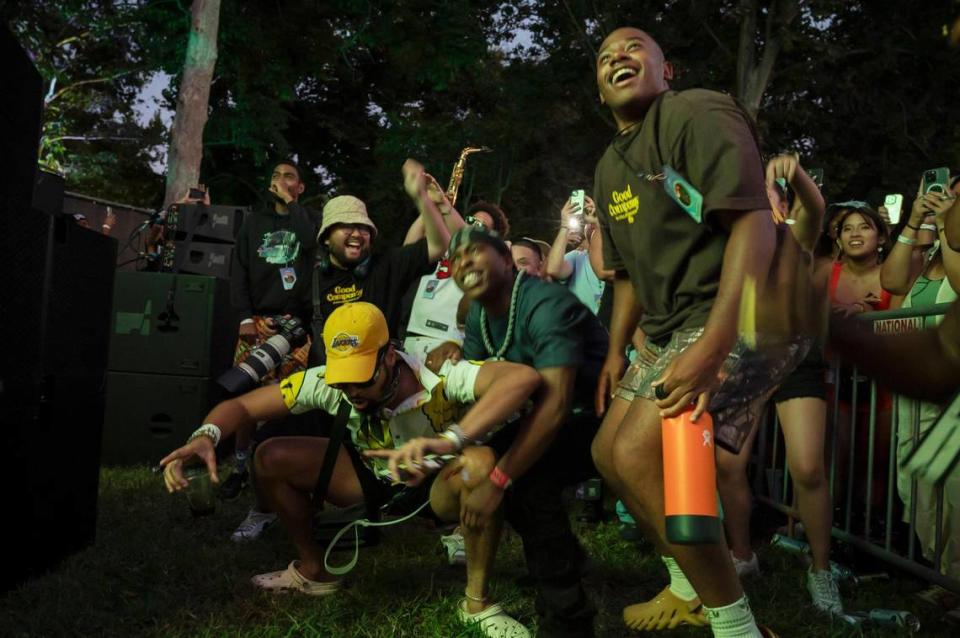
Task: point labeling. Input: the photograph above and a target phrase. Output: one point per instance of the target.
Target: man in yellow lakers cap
(396, 402)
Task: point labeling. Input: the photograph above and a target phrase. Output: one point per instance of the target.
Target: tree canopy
(351, 87)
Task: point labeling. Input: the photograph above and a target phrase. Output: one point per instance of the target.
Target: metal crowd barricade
(772, 482)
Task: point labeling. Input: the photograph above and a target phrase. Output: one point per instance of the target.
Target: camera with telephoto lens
(264, 358)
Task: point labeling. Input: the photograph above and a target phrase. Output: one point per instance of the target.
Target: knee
(807, 475)
(476, 464)
(602, 459)
(627, 460)
(269, 459)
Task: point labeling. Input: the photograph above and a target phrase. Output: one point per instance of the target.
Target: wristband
(500, 479)
(107, 226)
(913, 227)
(454, 434)
(930, 227)
(208, 430)
(909, 241)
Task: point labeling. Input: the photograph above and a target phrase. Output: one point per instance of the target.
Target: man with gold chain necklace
(540, 324)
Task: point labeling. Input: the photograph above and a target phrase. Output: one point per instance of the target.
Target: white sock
(733, 621)
(679, 584)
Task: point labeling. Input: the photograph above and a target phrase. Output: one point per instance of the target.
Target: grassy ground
(156, 571)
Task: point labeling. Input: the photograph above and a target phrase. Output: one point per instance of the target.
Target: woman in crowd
(802, 408)
(921, 266)
(853, 286)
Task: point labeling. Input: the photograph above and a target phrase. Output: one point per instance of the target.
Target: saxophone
(458, 168)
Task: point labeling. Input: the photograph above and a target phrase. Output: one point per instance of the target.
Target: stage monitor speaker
(188, 333)
(150, 415)
(217, 223)
(204, 258)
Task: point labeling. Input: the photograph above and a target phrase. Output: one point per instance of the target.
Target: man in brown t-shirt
(681, 278)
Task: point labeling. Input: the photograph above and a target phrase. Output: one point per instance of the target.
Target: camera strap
(333, 448)
(356, 525)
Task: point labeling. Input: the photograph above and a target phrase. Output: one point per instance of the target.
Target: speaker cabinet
(171, 324)
(214, 223)
(205, 258)
(150, 415)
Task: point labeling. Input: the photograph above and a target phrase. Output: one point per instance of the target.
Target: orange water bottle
(690, 480)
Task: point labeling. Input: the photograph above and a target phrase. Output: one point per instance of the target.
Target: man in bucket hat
(348, 270)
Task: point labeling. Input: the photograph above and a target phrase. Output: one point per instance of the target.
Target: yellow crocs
(664, 611)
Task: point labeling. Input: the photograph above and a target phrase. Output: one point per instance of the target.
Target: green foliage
(353, 87)
(90, 56)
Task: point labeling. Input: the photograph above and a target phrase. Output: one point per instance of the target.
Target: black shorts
(808, 379)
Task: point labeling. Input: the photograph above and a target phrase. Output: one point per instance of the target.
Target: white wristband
(208, 430)
(454, 434)
(906, 240)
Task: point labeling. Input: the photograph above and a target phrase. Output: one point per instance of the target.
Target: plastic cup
(201, 495)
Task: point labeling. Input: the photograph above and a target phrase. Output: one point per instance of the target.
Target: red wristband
(498, 478)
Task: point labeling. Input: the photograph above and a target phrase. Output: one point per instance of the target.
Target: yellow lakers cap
(352, 336)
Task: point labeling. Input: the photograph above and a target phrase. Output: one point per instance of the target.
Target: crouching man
(394, 399)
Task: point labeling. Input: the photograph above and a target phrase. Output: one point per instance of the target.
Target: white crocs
(493, 621)
(290, 580)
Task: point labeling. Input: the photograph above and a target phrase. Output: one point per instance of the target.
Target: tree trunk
(754, 69)
(186, 139)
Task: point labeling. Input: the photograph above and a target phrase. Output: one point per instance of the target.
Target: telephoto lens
(263, 359)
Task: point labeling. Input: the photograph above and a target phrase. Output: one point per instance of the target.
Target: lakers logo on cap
(343, 342)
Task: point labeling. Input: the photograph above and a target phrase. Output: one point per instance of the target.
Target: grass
(156, 571)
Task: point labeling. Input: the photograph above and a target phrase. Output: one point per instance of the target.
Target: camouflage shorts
(747, 379)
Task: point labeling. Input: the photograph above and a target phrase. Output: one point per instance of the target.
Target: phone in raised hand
(894, 204)
(578, 200)
(935, 180)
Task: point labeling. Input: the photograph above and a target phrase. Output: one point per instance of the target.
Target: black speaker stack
(171, 334)
(205, 237)
(54, 318)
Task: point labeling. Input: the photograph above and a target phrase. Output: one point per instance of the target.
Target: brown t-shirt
(674, 262)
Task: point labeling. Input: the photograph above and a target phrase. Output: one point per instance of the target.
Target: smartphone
(935, 180)
(196, 193)
(893, 203)
(816, 174)
(431, 463)
(577, 198)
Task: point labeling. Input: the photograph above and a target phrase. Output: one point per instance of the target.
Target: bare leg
(481, 544)
(287, 469)
(638, 462)
(736, 496)
(804, 426)
(602, 450)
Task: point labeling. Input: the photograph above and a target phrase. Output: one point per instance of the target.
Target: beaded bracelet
(454, 434)
(208, 430)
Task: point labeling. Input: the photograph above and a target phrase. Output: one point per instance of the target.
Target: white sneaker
(252, 526)
(746, 567)
(456, 548)
(823, 591)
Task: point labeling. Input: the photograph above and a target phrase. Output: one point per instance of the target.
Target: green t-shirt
(673, 262)
(551, 329)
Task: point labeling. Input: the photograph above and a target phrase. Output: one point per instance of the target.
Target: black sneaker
(231, 488)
